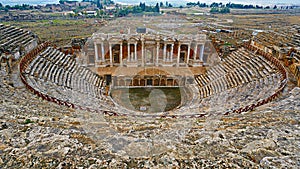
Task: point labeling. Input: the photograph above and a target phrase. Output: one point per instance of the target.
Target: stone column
(188, 54)
(143, 45)
(195, 51)
(178, 55)
(102, 51)
(157, 52)
(128, 52)
(165, 52)
(121, 54)
(135, 51)
(172, 49)
(96, 51)
(110, 56)
(201, 53)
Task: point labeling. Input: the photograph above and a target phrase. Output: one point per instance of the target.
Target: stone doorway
(116, 57)
(149, 82)
(149, 56)
(182, 57)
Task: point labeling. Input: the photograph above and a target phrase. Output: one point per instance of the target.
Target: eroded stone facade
(139, 50)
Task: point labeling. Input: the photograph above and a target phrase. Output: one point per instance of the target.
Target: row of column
(168, 56)
(102, 52)
(144, 82)
(132, 56)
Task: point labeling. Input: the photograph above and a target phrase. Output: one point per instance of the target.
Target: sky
(174, 2)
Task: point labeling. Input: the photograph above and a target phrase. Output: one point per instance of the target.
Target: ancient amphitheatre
(219, 97)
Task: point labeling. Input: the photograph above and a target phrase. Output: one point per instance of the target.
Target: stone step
(44, 67)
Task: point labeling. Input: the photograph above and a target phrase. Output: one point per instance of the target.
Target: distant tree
(170, 5)
(167, 3)
(191, 4)
(104, 2)
(122, 12)
(143, 6)
(224, 10)
(156, 9)
(228, 5)
(248, 6)
(214, 10)
(203, 5)
(233, 5)
(220, 10)
(98, 4)
(275, 7)
(137, 9)
(161, 4)
(258, 7)
(267, 7)
(214, 5)
(62, 1)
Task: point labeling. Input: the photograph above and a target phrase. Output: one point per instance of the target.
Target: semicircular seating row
(58, 75)
(12, 37)
(241, 79)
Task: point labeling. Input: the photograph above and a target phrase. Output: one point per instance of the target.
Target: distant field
(58, 31)
(61, 31)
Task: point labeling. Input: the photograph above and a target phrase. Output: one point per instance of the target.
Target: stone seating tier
(11, 36)
(243, 79)
(233, 98)
(238, 68)
(50, 66)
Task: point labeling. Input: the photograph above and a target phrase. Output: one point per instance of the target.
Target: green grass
(155, 99)
(27, 121)
(227, 44)
(59, 22)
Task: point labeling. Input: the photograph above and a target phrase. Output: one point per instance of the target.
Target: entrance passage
(149, 82)
(148, 99)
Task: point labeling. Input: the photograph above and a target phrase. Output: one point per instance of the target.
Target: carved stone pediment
(133, 39)
(169, 39)
(115, 39)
